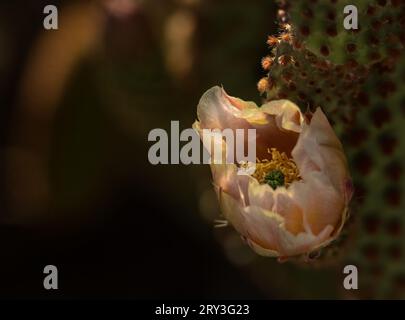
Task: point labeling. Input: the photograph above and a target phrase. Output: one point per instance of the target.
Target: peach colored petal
(320, 203)
(292, 213)
(260, 195)
(225, 176)
(288, 115)
(266, 231)
(263, 227)
(262, 251)
(232, 211)
(288, 120)
(318, 149)
(213, 142)
(270, 136)
(217, 110)
(280, 201)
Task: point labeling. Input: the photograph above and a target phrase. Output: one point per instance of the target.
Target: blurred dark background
(77, 190)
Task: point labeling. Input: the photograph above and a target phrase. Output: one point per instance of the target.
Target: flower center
(279, 171)
(274, 179)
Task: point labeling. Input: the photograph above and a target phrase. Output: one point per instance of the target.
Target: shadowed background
(77, 190)
(77, 106)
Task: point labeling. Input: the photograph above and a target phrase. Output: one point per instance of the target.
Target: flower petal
(288, 115)
(279, 200)
(318, 149)
(267, 234)
(226, 177)
(291, 212)
(320, 203)
(217, 110)
(232, 211)
(260, 195)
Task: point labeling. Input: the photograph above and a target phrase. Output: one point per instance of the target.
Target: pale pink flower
(289, 220)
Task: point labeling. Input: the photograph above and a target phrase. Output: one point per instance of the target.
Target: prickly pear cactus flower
(296, 201)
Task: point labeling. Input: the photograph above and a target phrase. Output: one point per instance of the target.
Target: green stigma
(274, 179)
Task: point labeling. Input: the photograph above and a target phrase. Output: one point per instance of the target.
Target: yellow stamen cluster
(279, 161)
